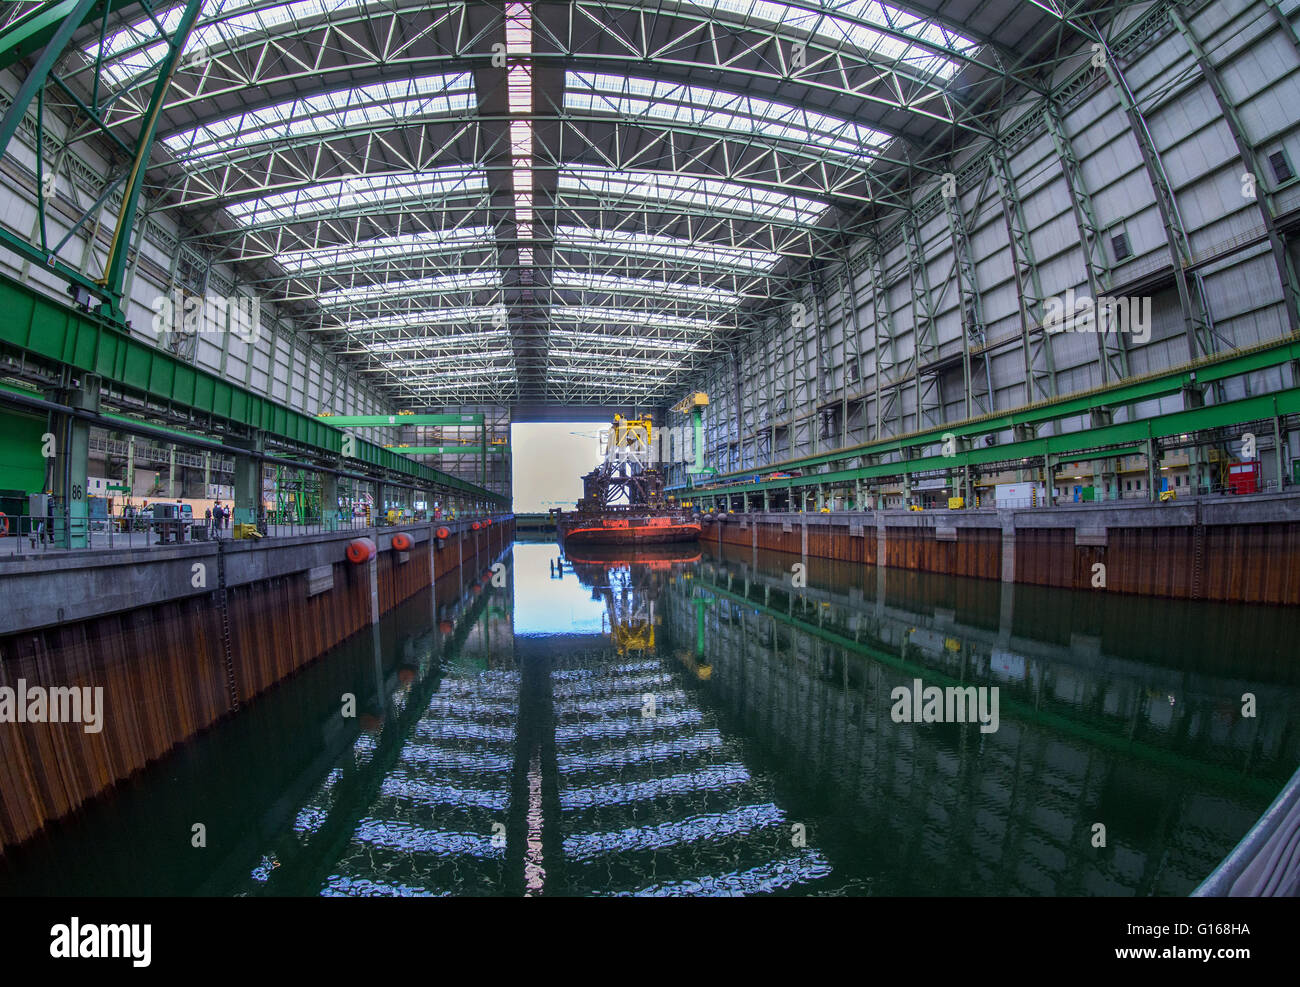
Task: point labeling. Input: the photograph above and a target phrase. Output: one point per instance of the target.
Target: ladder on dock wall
(1198, 556)
(224, 610)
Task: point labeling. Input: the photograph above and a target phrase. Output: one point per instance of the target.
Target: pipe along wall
(164, 668)
(1232, 550)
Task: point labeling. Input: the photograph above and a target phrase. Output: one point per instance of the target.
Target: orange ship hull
(659, 531)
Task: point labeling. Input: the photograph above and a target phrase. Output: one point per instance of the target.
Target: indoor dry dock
(699, 448)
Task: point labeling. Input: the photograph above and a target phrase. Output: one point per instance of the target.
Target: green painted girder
(33, 31)
(114, 275)
(1216, 367)
(387, 421)
(86, 343)
(1109, 441)
(1026, 711)
(450, 450)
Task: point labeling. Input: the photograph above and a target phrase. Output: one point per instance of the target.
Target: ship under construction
(623, 500)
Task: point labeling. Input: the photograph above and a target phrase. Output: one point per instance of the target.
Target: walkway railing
(26, 534)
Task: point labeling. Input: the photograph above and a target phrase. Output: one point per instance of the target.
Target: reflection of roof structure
(1081, 737)
(650, 786)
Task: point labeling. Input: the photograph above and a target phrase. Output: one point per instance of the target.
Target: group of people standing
(218, 517)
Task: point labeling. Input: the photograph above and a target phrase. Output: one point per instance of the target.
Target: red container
(1243, 478)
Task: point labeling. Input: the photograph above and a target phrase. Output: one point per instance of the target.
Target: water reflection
(686, 724)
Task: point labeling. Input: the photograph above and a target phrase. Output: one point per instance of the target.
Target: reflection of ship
(617, 556)
(629, 581)
(622, 498)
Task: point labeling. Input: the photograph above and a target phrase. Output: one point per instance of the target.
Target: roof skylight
(357, 294)
(666, 247)
(871, 27)
(584, 281)
(700, 106)
(401, 102)
(678, 190)
(341, 194)
(380, 248)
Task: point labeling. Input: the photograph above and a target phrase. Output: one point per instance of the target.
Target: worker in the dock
(207, 522)
(216, 515)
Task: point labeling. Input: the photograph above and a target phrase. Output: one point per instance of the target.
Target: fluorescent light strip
(401, 102)
(708, 108)
(519, 82)
(676, 190)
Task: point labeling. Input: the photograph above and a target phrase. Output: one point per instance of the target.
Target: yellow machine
(914, 507)
(629, 435)
(1167, 495)
(956, 503)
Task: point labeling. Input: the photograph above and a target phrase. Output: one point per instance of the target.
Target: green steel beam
(87, 344)
(71, 14)
(449, 450)
(1124, 439)
(387, 421)
(115, 266)
(37, 28)
(1208, 369)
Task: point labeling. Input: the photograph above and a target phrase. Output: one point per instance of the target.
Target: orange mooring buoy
(401, 541)
(361, 550)
(476, 526)
(443, 534)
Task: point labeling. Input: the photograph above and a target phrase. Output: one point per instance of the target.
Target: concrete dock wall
(1233, 549)
(143, 627)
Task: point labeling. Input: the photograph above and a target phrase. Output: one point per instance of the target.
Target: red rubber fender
(446, 626)
(488, 521)
(476, 589)
(487, 574)
(442, 534)
(361, 550)
(476, 526)
(4, 524)
(401, 541)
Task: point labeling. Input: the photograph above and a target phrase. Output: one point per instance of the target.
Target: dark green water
(703, 728)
